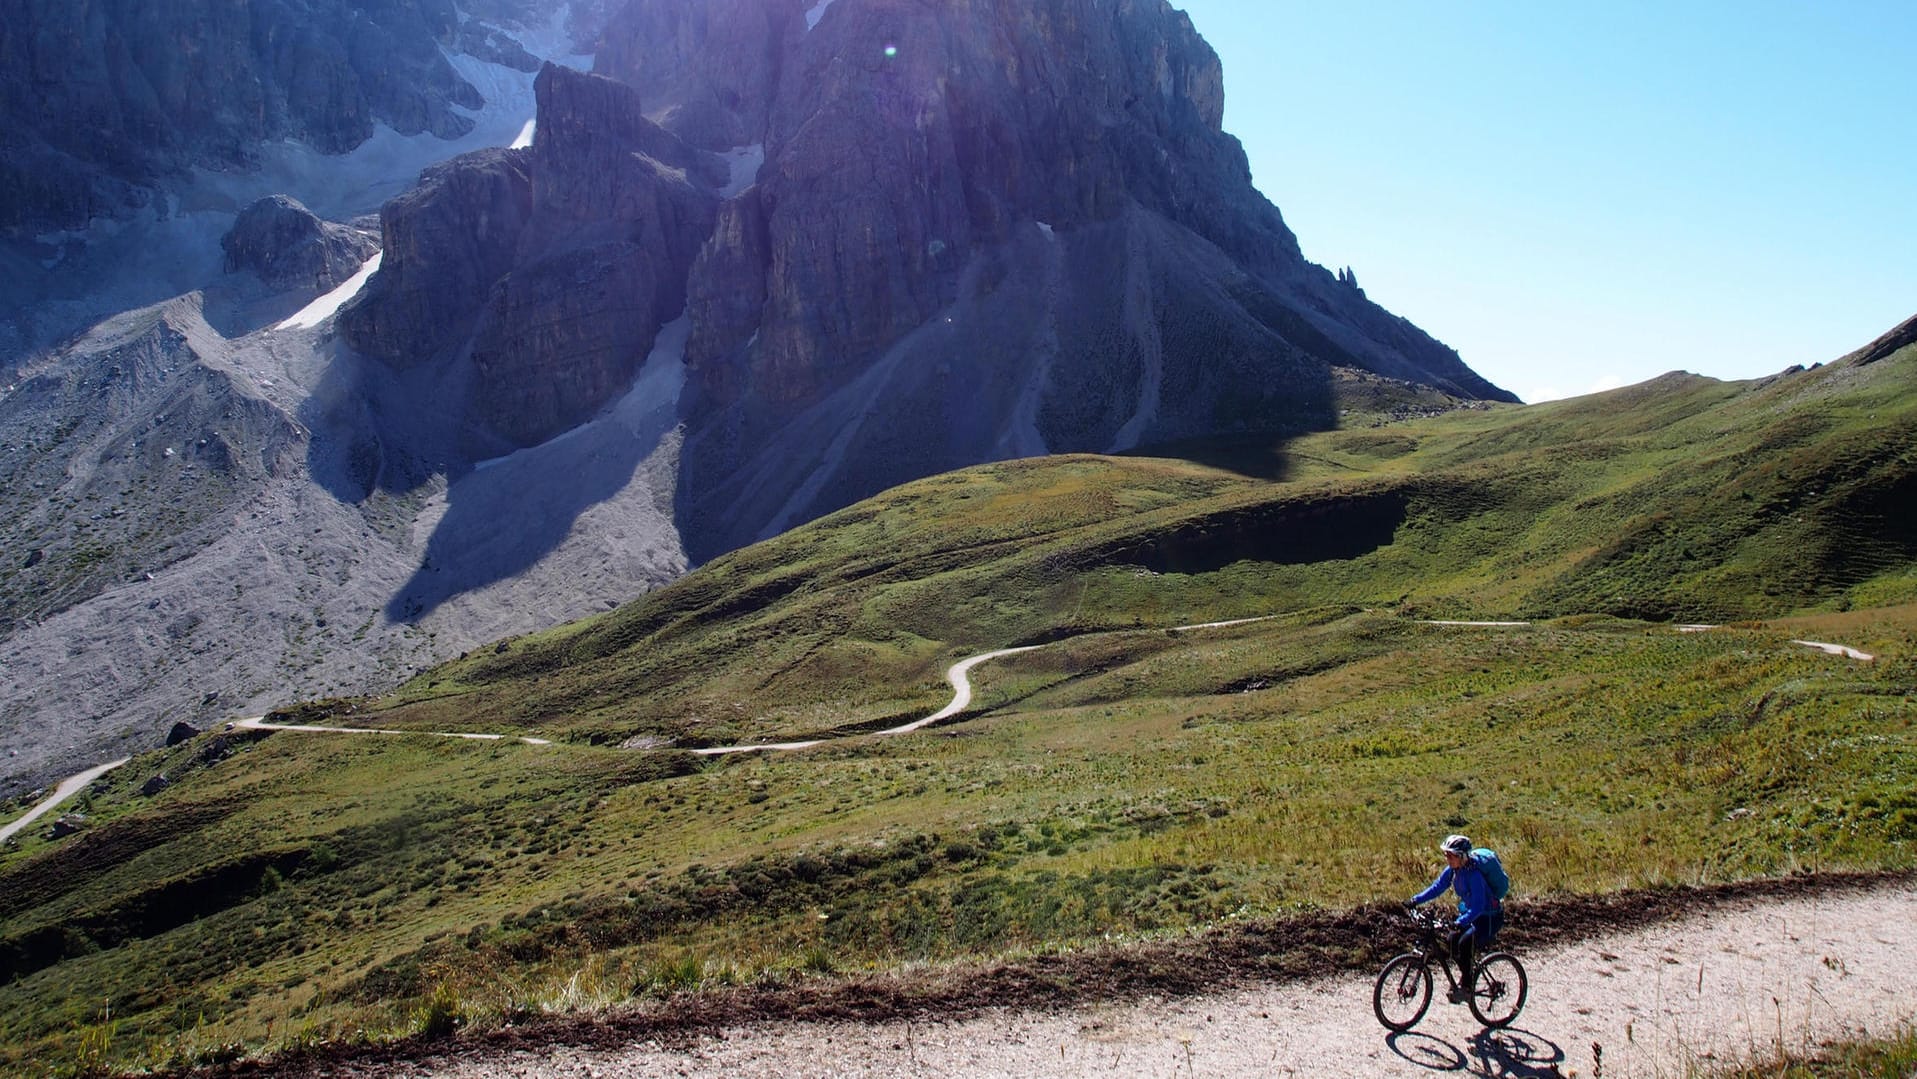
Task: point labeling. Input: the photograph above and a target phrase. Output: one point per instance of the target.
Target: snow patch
(525, 136)
(813, 16)
(326, 306)
(745, 163)
(340, 187)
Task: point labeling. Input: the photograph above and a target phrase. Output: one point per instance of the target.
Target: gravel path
(1718, 986)
(67, 789)
(258, 723)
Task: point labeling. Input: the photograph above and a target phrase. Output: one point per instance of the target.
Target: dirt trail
(67, 789)
(1731, 981)
(258, 723)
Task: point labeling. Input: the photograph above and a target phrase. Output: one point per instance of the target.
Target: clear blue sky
(1583, 195)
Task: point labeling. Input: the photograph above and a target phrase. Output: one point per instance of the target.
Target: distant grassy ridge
(1684, 499)
(1125, 782)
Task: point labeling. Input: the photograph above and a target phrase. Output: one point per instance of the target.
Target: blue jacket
(1474, 893)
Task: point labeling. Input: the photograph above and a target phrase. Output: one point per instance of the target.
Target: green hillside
(1125, 781)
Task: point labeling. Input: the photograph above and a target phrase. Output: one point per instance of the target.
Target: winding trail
(67, 789)
(258, 723)
(1838, 650)
(958, 676)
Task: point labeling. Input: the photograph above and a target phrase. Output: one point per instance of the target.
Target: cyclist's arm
(1437, 888)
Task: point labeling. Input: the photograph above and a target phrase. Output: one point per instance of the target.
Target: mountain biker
(1480, 914)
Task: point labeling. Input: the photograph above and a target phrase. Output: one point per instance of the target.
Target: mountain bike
(1403, 992)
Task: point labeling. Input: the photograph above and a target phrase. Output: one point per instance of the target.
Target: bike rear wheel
(1498, 989)
(1403, 992)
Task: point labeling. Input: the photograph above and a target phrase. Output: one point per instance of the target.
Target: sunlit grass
(1127, 779)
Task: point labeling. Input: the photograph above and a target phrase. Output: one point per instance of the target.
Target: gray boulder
(288, 247)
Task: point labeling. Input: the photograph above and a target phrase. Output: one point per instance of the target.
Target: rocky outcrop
(182, 732)
(496, 46)
(445, 244)
(548, 270)
(288, 247)
(1896, 340)
(1073, 249)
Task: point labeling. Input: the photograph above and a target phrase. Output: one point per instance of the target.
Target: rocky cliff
(959, 232)
(982, 228)
(545, 272)
(106, 98)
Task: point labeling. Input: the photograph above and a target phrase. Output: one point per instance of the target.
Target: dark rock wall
(105, 97)
(907, 146)
(707, 71)
(548, 270)
(445, 244)
(905, 137)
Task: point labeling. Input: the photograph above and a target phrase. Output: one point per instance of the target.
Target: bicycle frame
(1431, 947)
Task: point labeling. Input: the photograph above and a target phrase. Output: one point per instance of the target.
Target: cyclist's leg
(1460, 943)
(1467, 949)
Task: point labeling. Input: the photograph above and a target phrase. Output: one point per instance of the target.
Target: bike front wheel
(1403, 992)
(1498, 988)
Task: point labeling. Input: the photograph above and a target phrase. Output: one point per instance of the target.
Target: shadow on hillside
(1296, 532)
(1258, 457)
(377, 432)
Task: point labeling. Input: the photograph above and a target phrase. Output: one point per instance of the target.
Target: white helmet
(1455, 844)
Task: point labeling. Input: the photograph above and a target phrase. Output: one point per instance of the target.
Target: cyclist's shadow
(1513, 1053)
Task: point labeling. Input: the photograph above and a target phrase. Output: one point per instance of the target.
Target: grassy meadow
(1125, 781)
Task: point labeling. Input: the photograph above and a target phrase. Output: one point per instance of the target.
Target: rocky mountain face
(546, 273)
(708, 72)
(770, 257)
(982, 228)
(105, 99)
(137, 453)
